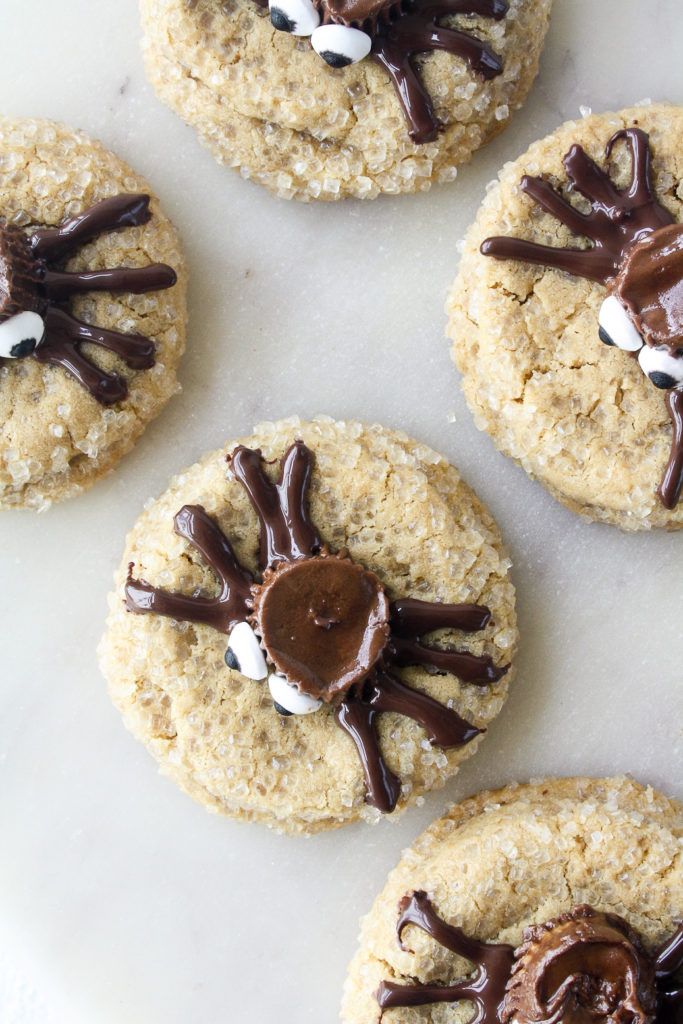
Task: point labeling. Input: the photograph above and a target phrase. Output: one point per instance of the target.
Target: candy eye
(616, 327)
(20, 335)
(339, 45)
(664, 370)
(286, 696)
(296, 16)
(244, 652)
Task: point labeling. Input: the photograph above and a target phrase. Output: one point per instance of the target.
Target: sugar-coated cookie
(555, 902)
(567, 315)
(312, 625)
(322, 99)
(92, 311)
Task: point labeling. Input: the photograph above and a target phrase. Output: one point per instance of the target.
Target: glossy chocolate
(325, 622)
(615, 222)
(486, 988)
(583, 967)
(27, 282)
(637, 251)
(649, 286)
(416, 30)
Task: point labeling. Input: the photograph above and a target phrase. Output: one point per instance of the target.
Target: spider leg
(670, 1006)
(60, 348)
(59, 284)
(413, 617)
(640, 191)
(669, 957)
(486, 989)
(477, 53)
(471, 668)
(356, 718)
(50, 244)
(671, 484)
(596, 263)
(223, 612)
(414, 99)
(552, 202)
(136, 350)
(443, 726)
(287, 533)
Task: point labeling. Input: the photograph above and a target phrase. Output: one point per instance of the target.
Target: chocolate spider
(583, 967)
(392, 32)
(637, 252)
(34, 319)
(319, 627)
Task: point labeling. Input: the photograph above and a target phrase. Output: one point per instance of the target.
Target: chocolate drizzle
(415, 29)
(486, 989)
(49, 289)
(615, 222)
(346, 606)
(583, 966)
(620, 225)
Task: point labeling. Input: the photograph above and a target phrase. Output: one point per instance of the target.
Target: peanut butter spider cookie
(567, 316)
(322, 99)
(555, 903)
(313, 625)
(92, 311)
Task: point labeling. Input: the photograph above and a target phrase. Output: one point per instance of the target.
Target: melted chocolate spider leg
(416, 32)
(616, 220)
(50, 244)
(471, 668)
(443, 726)
(671, 485)
(222, 612)
(60, 348)
(640, 192)
(135, 349)
(58, 285)
(486, 989)
(287, 534)
(414, 618)
(356, 718)
(423, 124)
(590, 263)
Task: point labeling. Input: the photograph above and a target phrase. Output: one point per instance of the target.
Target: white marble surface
(120, 899)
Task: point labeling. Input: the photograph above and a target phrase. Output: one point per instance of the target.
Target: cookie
(567, 315)
(560, 901)
(312, 626)
(322, 99)
(92, 311)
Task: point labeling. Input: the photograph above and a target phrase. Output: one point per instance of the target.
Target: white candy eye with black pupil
(287, 696)
(20, 335)
(244, 653)
(339, 45)
(664, 370)
(616, 328)
(296, 16)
